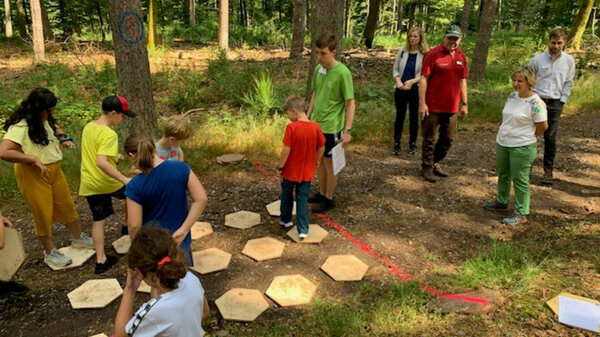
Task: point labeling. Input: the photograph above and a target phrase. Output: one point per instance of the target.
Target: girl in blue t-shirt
(158, 194)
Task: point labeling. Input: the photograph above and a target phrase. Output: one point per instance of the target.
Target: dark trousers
(287, 203)
(554, 107)
(403, 98)
(433, 152)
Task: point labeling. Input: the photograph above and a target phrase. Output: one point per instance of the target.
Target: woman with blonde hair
(407, 73)
(524, 118)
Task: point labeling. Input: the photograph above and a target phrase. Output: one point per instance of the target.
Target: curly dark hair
(39, 100)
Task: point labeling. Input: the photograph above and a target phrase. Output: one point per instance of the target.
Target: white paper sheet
(338, 158)
(578, 313)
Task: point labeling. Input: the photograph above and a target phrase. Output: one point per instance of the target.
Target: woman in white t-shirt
(178, 305)
(524, 118)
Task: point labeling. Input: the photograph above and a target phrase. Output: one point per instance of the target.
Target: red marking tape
(395, 270)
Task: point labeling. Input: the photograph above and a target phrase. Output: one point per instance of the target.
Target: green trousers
(514, 165)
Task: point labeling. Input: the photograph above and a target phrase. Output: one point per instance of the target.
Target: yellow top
(47, 154)
(98, 140)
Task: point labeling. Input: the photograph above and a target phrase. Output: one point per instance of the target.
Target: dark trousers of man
(403, 98)
(434, 152)
(554, 107)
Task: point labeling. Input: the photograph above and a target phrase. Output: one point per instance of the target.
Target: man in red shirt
(442, 87)
(303, 148)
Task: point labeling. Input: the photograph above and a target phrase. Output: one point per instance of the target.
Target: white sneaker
(84, 241)
(286, 224)
(303, 236)
(57, 258)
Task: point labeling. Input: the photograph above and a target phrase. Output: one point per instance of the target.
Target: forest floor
(437, 232)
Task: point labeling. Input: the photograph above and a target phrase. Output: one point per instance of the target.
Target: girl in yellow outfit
(31, 143)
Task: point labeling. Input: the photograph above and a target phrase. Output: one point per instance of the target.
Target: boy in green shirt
(332, 107)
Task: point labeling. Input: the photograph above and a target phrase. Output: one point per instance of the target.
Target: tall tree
(100, 19)
(299, 27)
(48, 33)
(133, 68)
(8, 28)
(347, 17)
(224, 24)
(464, 20)
(400, 13)
(482, 45)
(411, 16)
(38, 31)
(152, 22)
(521, 20)
(21, 21)
(578, 27)
(371, 25)
(192, 16)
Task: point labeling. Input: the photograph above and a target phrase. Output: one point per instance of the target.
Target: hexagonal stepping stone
(230, 158)
(263, 249)
(242, 219)
(122, 244)
(291, 290)
(13, 255)
(240, 304)
(274, 208)
(210, 260)
(344, 268)
(316, 234)
(78, 255)
(95, 294)
(144, 288)
(200, 230)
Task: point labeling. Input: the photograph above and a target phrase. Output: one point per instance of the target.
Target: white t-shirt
(177, 313)
(518, 120)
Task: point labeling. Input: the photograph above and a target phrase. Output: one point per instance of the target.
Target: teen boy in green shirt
(332, 107)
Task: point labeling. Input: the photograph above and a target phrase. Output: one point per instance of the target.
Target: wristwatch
(465, 103)
(349, 130)
(279, 168)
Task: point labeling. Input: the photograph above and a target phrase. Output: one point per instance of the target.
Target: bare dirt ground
(381, 199)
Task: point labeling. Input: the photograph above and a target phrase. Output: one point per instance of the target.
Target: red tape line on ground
(395, 270)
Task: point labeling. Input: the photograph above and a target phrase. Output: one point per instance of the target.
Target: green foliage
(261, 100)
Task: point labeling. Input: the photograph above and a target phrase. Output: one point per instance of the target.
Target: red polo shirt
(444, 73)
(303, 139)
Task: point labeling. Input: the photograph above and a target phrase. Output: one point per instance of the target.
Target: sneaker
(12, 287)
(495, 206)
(427, 174)
(515, 220)
(285, 225)
(57, 258)
(303, 236)
(316, 198)
(396, 148)
(547, 179)
(111, 260)
(438, 171)
(324, 206)
(412, 148)
(84, 241)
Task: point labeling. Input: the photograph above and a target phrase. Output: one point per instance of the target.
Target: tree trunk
(48, 34)
(100, 20)
(482, 45)
(411, 17)
(133, 68)
(371, 25)
(347, 18)
(544, 19)
(8, 28)
(326, 16)
(192, 16)
(224, 24)
(152, 21)
(522, 9)
(424, 13)
(299, 27)
(38, 31)
(578, 27)
(464, 20)
(21, 23)
(400, 9)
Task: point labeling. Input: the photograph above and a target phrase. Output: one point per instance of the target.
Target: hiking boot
(515, 220)
(412, 148)
(303, 236)
(12, 287)
(495, 206)
(84, 242)
(57, 258)
(438, 171)
(396, 148)
(323, 206)
(427, 174)
(111, 260)
(547, 179)
(285, 225)
(316, 198)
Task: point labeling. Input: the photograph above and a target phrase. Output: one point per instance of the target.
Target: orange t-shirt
(303, 138)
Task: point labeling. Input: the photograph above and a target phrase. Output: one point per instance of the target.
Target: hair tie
(164, 260)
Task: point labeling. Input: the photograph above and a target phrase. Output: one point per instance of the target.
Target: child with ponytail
(178, 304)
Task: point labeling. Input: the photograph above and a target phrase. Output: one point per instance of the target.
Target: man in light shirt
(554, 70)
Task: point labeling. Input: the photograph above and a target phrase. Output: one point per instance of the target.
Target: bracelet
(279, 168)
(66, 139)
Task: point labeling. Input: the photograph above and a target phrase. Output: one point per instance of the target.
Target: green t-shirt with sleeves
(332, 87)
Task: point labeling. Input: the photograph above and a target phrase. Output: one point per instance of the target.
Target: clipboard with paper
(338, 158)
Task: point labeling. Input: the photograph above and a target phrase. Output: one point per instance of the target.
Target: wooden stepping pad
(13, 255)
(242, 219)
(210, 260)
(200, 230)
(230, 158)
(264, 249)
(95, 294)
(240, 304)
(78, 255)
(316, 234)
(344, 268)
(274, 208)
(291, 290)
(122, 244)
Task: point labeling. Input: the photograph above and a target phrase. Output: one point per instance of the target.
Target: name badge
(458, 63)
(323, 71)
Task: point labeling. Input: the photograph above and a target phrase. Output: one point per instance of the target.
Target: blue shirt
(163, 196)
(409, 69)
